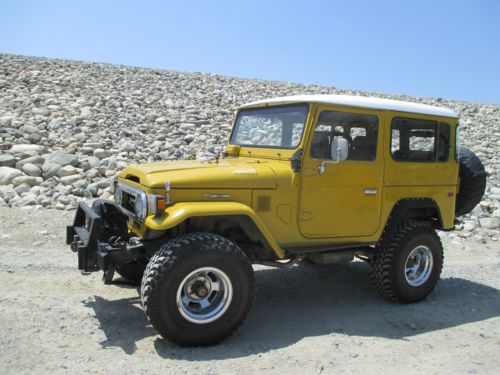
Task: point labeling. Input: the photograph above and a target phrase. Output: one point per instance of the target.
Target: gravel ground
(308, 319)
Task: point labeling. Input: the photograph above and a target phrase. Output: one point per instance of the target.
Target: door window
(360, 130)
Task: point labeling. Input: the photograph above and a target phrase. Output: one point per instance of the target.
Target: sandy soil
(308, 319)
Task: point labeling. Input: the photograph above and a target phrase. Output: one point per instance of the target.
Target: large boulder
(37, 160)
(62, 158)
(8, 174)
(29, 180)
(50, 169)
(26, 148)
(32, 170)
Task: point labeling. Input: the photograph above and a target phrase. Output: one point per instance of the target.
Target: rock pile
(66, 127)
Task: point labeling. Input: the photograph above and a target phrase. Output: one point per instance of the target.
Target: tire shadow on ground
(307, 301)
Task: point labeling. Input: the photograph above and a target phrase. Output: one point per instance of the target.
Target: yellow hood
(189, 174)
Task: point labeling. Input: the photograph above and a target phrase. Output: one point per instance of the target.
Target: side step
(334, 254)
(331, 257)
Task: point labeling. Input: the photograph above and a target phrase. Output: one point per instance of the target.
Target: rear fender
(177, 213)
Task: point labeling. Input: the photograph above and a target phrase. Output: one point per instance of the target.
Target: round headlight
(118, 195)
(140, 207)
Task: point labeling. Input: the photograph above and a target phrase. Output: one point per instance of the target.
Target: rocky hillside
(67, 127)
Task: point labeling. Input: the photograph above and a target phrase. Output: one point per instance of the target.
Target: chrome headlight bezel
(140, 209)
(118, 195)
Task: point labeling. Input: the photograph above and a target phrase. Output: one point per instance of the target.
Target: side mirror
(339, 149)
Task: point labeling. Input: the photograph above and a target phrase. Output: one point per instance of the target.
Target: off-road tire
(133, 271)
(472, 182)
(388, 268)
(168, 268)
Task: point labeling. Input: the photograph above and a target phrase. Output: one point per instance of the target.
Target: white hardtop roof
(357, 101)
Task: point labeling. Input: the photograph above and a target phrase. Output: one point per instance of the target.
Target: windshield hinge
(296, 160)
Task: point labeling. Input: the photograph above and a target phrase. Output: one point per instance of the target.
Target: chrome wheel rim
(418, 266)
(204, 295)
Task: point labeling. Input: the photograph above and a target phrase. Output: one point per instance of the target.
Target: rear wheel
(198, 289)
(407, 267)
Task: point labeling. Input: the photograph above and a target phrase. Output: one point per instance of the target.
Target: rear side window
(414, 140)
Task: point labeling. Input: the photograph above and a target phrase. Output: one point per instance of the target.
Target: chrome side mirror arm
(322, 166)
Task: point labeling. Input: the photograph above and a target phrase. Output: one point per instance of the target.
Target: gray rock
(67, 170)
(92, 190)
(22, 148)
(86, 112)
(29, 200)
(7, 160)
(22, 188)
(30, 129)
(37, 160)
(63, 158)
(93, 173)
(94, 145)
(128, 147)
(41, 112)
(187, 127)
(34, 138)
(7, 192)
(32, 170)
(469, 226)
(94, 162)
(103, 184)
(86, 150)
(489, 222)
(68, 180)
(29, 180)
(50, 169)
(63, 199)
(8, 174)
(101, 153)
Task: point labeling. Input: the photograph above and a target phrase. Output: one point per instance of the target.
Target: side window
(360, 130)
(414, 140)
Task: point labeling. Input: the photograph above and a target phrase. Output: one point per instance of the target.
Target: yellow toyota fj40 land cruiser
(324, 178)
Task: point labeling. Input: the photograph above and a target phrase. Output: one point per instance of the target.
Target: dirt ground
(308, 319)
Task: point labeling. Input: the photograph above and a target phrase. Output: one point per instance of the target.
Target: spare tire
(472, 182)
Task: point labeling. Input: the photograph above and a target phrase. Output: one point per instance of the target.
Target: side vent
(264, 203)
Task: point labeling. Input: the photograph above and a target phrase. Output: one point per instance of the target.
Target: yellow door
(344, 200)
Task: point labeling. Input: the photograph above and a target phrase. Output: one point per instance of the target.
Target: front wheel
(407, 267)
(197, 289)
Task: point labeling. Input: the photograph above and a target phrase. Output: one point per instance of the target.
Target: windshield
(276, 127)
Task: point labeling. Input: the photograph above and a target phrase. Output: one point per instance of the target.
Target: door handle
(371, 191)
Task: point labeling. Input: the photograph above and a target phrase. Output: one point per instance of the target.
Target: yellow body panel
(179, 212)
(301, 208)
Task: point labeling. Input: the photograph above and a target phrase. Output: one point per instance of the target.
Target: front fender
(179, 212)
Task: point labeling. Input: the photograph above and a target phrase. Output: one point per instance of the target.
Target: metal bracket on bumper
(94, 252)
